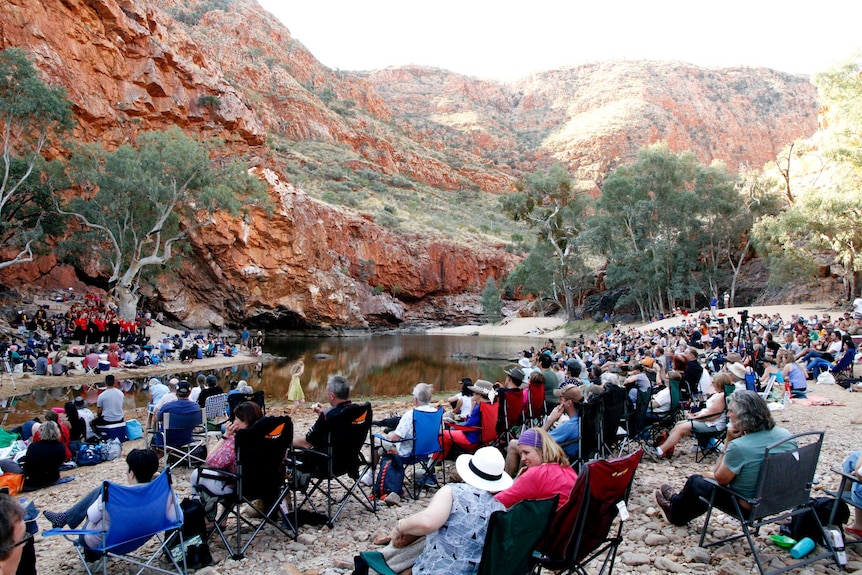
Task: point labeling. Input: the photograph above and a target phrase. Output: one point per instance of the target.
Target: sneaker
(366, 478)
(652, 454)
(427, 480)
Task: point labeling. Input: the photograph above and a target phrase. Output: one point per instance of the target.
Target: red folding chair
(534, 410)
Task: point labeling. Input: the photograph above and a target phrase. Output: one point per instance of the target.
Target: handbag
(134, 430)
(110, 449)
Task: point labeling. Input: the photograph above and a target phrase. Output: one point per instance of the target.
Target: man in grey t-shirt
(110, 404)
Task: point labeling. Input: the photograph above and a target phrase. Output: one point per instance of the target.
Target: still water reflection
(378, 365)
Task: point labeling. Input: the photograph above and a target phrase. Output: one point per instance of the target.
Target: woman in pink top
(545, 470)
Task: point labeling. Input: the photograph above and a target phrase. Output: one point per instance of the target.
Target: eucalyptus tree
(550, 205)
(824, 223)
(137, 204)
(31, 112)
(665, 224)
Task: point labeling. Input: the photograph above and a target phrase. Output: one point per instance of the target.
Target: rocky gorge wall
(133, 65)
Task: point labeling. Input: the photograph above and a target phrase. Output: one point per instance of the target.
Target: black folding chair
(260, 477)
(712, 442)
(782, 491)
(340, 461)
(175, 427)
(234, 399)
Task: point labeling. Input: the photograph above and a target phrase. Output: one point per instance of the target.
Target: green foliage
(491, 305)
(549, 204)
(31, 112)
(191, 15)
(824, 224)
(663, 223)
(209, 101)
(535, 274)
(140, 200)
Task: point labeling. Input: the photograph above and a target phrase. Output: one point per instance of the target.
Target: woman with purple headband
(544, 472)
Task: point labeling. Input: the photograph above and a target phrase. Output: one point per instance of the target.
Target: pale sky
(504, 39)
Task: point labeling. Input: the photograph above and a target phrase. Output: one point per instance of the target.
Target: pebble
(664, 564)
(319, 550)
(653, 539)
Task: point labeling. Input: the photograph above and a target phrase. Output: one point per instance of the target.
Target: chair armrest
(463, 427)
(66, 532)
(382, 437)
(847, 476)
(732, 491)
(220, 474)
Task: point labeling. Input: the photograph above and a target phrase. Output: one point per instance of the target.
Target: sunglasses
(27, 537)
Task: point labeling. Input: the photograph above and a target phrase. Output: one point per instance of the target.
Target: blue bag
(134, 430)
(89, 454)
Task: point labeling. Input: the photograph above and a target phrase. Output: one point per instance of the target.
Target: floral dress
(456, 548)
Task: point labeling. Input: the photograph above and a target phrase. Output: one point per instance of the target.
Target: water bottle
(785, 401)
(803, 548)
(837, 541)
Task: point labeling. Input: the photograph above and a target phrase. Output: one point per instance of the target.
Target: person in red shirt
(65, 435)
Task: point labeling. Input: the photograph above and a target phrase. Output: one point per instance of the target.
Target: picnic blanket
(814, 399)
(60, 481)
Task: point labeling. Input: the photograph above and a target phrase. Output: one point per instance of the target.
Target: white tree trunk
(127, 301)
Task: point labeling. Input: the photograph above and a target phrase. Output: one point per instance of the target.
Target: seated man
(338, 391)
(750, 431)
(182, 406)
(143, 465)
(422, 394)
(110, 404)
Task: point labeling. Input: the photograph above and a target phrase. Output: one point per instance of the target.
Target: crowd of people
(704, 355)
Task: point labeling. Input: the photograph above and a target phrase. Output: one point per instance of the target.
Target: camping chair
(510, 415)
(782, 491)
(216, 410)
(234, 399)
(511, 537)
(843, 370)
(534, 410)
(174, 426)
(260, 455)
(590, 437)
(487, 428)
(712, 442)
(658, 422)
(314, 471)
(427, 428)
(581, 530)
(613, 436)
(848, 480)
(141, 512)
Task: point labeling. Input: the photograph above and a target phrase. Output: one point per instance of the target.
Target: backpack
(390, 476)
(805, 525)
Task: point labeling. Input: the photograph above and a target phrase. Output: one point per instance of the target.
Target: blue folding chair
(427, 441)
(140, 512)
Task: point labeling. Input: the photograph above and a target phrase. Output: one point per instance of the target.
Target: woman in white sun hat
(456, 519)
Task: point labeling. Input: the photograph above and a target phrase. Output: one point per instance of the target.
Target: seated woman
(455, 521)
(545, 470)
(816, 365)
(710, 418)
(206, 482)
(142, 466)
(44, 457)
(483, 392)
(462, 403)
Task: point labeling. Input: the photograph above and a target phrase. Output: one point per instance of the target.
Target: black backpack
(805, 525)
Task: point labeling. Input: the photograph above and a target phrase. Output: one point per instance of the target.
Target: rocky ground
(651, 544)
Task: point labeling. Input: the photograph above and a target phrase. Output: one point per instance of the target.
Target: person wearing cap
(483, 392)
(109, 404)
(456, 520)
(637, 382)
(514, 378)
(526, 366)
(87, 415)
(544, 470)
(212, 388)
(552, 382)
(182, 406)
(566, 432)
(462, 403)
